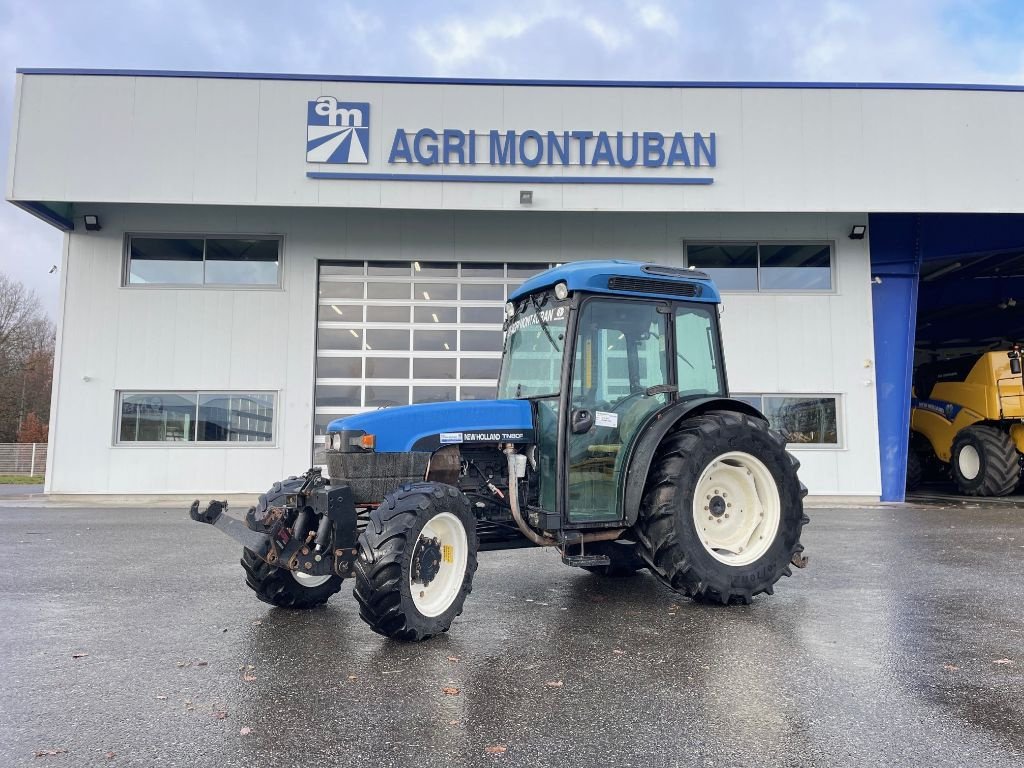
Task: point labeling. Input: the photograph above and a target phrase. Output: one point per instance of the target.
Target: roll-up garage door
(399, 332)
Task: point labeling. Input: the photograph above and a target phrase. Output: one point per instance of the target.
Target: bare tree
(26, 358)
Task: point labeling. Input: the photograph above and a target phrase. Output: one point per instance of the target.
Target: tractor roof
(632, 278)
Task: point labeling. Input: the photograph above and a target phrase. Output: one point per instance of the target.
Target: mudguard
(641, 452)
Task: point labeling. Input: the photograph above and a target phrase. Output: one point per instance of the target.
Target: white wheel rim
(969, 462)
(309, 581)
(437, 596)
(736, 508)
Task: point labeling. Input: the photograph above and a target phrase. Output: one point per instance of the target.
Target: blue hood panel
(428, 426)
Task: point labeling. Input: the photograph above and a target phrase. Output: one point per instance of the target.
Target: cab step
(586, 561)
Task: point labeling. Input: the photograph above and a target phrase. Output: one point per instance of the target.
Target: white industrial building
(273, 251)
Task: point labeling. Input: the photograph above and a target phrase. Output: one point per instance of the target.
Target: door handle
(582, 420)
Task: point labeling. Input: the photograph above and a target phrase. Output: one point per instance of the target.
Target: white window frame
(839, 445)
(120, 393)
(757, 243)
(126, 261)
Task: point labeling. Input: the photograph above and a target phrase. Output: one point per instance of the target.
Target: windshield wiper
(543, 323)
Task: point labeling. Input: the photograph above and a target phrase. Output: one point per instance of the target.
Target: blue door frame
(895, 266)
(900, 242)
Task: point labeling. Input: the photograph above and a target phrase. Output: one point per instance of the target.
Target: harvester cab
(613, 441)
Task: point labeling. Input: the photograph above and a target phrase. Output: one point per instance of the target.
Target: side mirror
(582, 420)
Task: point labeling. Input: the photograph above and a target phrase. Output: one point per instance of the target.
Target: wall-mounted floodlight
(526, 197)
(858, 231)
(92, 222)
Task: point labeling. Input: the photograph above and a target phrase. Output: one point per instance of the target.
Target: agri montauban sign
(338, 133)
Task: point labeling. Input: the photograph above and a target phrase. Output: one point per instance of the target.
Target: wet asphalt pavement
(901, 644)
(19, 490)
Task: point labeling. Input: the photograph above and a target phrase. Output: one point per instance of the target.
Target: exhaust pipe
(538, 538)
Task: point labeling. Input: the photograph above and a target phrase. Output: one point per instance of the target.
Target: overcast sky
(861, 40)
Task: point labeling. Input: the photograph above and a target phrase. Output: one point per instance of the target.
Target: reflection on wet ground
(901, 644)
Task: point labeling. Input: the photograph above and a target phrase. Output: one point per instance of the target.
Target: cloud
(654, 17)
(611, 37)
(456, 42)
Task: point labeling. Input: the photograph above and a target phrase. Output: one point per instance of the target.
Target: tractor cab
(600, 349)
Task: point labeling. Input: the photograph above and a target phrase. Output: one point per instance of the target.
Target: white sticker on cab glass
(606, 419)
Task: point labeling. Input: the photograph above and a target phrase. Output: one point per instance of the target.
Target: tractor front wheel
(284, 588)
(416, 561)
(279, 586)
(722, 512)
(985, 461)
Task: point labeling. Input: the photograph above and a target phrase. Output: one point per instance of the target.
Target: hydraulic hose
(538, 538)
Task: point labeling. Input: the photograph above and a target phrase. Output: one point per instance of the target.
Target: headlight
(335, 442)
(510, 309)
(561, 291)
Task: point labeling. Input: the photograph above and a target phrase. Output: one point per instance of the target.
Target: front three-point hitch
(313, 533)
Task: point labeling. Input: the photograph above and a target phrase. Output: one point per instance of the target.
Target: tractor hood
(428, 426)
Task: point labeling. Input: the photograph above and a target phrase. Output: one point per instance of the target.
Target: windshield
(534, 340)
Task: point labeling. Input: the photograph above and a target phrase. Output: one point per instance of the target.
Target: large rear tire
(985, 461)
(915, 471)
(722, 512)
(416, 561)
(279, 586)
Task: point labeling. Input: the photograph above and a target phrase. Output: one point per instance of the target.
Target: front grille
(371, 475)
(648, 285)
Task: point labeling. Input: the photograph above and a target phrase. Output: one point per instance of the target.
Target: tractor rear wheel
(985, 461)
(722, 512)
(279, 586)
(417, 557)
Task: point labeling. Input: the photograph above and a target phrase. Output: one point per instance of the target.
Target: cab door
(621, 353)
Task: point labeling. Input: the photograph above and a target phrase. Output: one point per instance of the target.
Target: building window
(782, 267)
(195, 417)
(197, 261)
(811, 420)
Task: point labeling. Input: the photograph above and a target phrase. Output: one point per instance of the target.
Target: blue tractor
(613, 440)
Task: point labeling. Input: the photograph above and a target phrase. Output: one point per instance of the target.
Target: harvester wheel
(722, 512)
(985, 461)
(279, 586)
(416, 561)
(915, 471)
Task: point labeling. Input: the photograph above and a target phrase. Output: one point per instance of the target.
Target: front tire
(722, 513)
(284, 588)
(416, 561)
(279, 586)
(985, 461)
